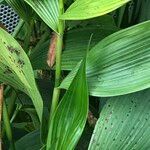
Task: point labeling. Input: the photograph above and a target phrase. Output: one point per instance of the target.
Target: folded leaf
(16, 70)
(120, 63)
(70, 117)
(124, 123)
(85, 9)
(47, 10)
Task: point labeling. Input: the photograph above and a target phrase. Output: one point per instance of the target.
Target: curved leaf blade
(23, 10)
(70, 117)
(30, 141)
(86, 9)
(47, 10)
(16, 70)
(124, 123)
(120, 63)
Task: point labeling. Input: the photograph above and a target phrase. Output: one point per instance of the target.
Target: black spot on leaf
(7, 70)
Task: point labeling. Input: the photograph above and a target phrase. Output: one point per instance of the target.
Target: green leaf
(23, 10)
(75, 43)
(70, 117)
(32, 113)
(16, 70)
(124, 123)
(30, 141)
(85, 9)
(47, 10)
(120, 63)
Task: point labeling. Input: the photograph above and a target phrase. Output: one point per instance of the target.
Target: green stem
(59, 46)
(19, 106)
(28, 36)
(1, 106)
(8, 126)
(12, 99)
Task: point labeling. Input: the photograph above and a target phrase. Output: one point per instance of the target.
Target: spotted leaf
(16, 70)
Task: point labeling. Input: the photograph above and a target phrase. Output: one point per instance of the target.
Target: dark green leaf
(30, 141)
(75, 44)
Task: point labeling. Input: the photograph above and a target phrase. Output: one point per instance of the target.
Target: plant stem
(8, 126)
(12, 100)
(59, 46)
(28, 36)
(1, 106)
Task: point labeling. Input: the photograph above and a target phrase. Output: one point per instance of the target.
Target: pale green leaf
(70, 117)
(120, 63)
(47, 10)
(16, 70)
(85, 9)
(124, 124)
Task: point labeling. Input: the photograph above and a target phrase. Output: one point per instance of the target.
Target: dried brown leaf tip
(91, 119)
(52, 50)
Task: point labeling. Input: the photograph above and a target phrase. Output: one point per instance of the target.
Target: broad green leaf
(16, 70)
(85, 9)
(23, 10)
(47, 10)
(70, 117)
(30, 141)
(120, 63)
(75, 44)
(124, 123)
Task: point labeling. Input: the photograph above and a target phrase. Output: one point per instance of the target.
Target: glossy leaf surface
(70, 117)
